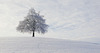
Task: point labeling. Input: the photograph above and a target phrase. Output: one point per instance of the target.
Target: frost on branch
(33, 22)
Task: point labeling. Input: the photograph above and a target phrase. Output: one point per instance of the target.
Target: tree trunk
(33, 34)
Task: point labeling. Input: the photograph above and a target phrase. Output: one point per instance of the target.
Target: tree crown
(33, 22)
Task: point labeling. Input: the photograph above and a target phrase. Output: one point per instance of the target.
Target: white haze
(67, 19)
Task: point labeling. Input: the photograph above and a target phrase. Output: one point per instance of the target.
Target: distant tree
(33, 22)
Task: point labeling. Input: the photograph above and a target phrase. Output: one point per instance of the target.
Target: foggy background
(67, 19)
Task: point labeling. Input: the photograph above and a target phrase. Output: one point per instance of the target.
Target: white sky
(67, 19)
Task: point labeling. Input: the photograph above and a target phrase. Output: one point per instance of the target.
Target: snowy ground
(46, 45)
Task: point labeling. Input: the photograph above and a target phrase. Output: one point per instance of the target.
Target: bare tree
(33, 22)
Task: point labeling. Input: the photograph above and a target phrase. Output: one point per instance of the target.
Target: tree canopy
(33, 22)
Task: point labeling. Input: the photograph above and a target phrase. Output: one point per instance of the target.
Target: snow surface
(46, 45)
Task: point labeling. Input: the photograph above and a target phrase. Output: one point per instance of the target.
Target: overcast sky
(67, 19)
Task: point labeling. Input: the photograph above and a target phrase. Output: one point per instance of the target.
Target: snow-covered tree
(33, 22)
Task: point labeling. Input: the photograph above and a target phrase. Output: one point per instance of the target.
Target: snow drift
(46, 45)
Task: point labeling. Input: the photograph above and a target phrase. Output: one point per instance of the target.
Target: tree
(33, 22)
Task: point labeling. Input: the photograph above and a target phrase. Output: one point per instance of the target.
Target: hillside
(46, 45)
